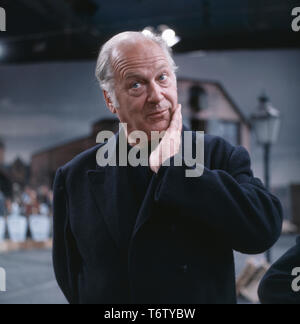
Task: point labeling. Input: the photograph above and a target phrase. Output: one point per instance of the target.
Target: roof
(233, 104)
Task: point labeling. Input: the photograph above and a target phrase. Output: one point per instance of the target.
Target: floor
(30, 278)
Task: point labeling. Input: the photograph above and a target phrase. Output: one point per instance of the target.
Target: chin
(161, 125)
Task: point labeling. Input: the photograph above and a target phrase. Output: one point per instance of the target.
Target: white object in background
(15, 209)
(2, 228)
(39, 227)
(17, 225)
(44, 210)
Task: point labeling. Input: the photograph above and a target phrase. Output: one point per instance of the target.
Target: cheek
(173, 92)
(132, 105)
(137, 104)
(173, 97)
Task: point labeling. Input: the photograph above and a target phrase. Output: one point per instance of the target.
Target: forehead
(132, 57)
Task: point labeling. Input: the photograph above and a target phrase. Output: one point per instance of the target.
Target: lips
(159, 113)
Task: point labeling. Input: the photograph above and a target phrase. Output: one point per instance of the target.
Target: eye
(136, 85)
(163, 77)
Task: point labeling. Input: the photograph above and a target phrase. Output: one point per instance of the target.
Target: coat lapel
(148, 203)
(103, 181)
(146, 207)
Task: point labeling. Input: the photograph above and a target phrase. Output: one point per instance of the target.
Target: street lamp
(266, 123)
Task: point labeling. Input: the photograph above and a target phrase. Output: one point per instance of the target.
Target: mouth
(159, 114)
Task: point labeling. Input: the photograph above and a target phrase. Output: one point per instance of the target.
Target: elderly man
(149, 234)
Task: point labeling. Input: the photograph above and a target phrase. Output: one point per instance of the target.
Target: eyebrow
(139, 76)
(135, 76)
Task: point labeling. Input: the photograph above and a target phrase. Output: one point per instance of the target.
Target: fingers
(176, 122)
(170, 144)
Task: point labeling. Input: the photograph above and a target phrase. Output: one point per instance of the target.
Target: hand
(170, 143)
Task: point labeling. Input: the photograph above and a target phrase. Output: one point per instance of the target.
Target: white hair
(104, 70)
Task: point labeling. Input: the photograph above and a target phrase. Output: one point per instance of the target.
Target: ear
(108, 102)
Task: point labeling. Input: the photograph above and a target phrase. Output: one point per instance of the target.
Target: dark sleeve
(66, 258)
(276, 286)
(231, 201)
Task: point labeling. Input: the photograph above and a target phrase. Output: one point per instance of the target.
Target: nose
(155, 95)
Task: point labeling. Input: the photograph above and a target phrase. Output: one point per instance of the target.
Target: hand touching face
(170, 144)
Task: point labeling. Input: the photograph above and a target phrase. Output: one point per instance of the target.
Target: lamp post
(266, 123)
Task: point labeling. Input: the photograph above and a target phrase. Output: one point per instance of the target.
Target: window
(197, 98)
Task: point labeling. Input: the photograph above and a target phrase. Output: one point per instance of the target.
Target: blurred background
(237, 78)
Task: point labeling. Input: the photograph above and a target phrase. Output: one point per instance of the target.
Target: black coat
(181, 250)
(276, 286)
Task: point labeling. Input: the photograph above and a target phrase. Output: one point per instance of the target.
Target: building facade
(45, 163)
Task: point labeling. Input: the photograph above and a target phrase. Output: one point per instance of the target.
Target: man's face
(145, 86)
